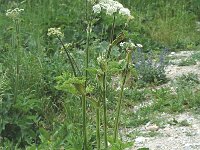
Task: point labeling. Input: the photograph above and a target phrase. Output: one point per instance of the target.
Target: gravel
(172, 137)
(177, 136)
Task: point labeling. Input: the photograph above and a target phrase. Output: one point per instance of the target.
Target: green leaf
(119, 38)
(44, 134)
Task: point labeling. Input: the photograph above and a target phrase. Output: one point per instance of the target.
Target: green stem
(113, 29)
(98, 126)
(105, 111)
(119, 104)
(111, 37)
(16, 47)
(86, 10)
(68, 55)
(84, 122)
(74, 62)
(105, 89)
(87, 53)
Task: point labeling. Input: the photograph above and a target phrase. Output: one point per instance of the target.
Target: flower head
(55, 32)
(111, 7)
(102, 62)
(14, 13)
(122, 44)
(125, 12)
(96, 8)
(111, 10)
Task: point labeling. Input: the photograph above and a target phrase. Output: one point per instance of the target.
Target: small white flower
(55, 31)
(117, 5)
(125, 12)
(97, 8)
(122, 44)
(105, 1)
(111, 7)
(111, 10)
(104, 5)
(101, 59)
(14, 14)
(139, 45)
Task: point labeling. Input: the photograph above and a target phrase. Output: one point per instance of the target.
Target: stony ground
(173, 70)
(184, 134)
(180, 131)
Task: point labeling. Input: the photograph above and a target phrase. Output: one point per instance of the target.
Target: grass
(39, 115)
(187, 62)
(192, 60)
(186, 97)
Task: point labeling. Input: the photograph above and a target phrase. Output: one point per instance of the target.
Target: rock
(153, 127)
(173, 53)
(140, 140)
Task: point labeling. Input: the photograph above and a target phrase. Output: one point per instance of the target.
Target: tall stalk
(84, 102)
(105, 86)
(16, 43)
(111, 37)
(74, 67)
(98, 126)
(105, 111)
(84, 122)
(120, 102)
(69, 56)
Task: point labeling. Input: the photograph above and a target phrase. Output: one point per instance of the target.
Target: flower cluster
(102, 62)
(111, 7)
(14, 13)
(130, 45)
(55, 31)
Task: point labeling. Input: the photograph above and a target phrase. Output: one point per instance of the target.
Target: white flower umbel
(111, 10)
(96, 8)
(102, 62)
(125, 12)
(55, 32)
(14, 13)
(101, 59)
(117, 5)
(111, 7)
